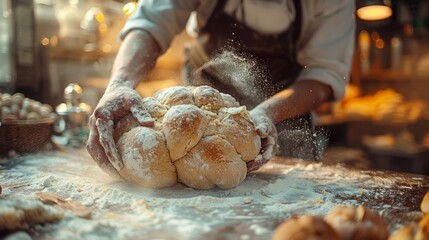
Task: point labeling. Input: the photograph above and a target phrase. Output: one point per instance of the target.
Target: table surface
(281, 189)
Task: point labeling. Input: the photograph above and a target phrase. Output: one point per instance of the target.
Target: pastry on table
(424, 205)
(305, 227)
(21, 214)
(354, 223)
(413, 231)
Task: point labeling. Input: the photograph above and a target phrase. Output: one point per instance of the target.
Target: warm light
(54, 41)
(395, 42)
(99, 17)
(129, 8)
(375, 36)
(102, 28)
(107, 48)
(364, 39)
(45, 41)
(374, 12)
(77, 88)
(408, 29)
(379, 43)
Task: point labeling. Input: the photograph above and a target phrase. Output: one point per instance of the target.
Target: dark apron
(275, 56)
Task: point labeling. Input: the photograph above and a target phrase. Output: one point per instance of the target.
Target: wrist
(119, 80)
(261, 111)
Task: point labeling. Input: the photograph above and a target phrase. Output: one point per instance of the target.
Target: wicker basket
(25, 136)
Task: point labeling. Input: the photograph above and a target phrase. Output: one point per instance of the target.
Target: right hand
(268, 132)
(116, 103)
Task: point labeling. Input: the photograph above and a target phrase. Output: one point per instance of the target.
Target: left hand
(116, 103)
(267, 131)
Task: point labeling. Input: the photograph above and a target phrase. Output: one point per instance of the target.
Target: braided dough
(201, 138)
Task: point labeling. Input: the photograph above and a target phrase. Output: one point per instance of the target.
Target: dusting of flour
(122, 210)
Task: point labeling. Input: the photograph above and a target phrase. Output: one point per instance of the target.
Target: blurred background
(383, 121)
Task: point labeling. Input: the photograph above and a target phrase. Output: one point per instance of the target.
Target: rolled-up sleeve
(162, 19)
(327, 44)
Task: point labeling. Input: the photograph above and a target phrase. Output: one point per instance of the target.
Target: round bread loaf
(305, 227)
(201, 138)
(413, 231)
(355, 223)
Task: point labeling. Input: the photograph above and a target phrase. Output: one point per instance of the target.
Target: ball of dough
(237, 128)
(229, 101)
(155, 108)
(213, 162)
(305, 227)
(183, 127)
(146, 159)
(207, 98)
(175, 96)
(355, 223)
(201, 138)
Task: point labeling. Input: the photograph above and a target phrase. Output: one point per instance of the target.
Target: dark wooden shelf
(394, 76)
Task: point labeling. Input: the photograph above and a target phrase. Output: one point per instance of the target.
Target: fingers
(255, 165)
(269, 148)
(105, 130)
(263, 129)
(97, 152)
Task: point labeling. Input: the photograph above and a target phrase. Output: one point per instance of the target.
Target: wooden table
(283, 188)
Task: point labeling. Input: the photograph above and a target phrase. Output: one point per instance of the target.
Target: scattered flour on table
(122, 210)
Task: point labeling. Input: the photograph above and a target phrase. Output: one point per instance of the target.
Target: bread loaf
(305, 227)
(355, 223)
(201, 138)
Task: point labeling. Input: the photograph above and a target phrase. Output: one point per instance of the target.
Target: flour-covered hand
(115, 104)
(268, 133)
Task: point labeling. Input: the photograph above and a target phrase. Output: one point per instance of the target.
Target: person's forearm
(302, 97)
(136, 56)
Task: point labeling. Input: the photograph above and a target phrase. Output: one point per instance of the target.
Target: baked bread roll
(201, 138)
(354, 223)
(305, 227)
(413, 231)
(424, 205)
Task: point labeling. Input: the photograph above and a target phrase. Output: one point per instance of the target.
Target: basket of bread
(26, 125)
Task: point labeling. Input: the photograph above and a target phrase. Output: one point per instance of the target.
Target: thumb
(263, 129)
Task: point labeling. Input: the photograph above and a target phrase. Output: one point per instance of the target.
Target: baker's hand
(268, 133)
(115, 104)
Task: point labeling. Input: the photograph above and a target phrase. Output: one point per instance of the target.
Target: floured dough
(145, 157)
(183, 126)
(20, 214)
(213, 162)
(201, 138)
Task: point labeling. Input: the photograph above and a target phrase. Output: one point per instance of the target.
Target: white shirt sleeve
(326, 44)
(162, 19)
